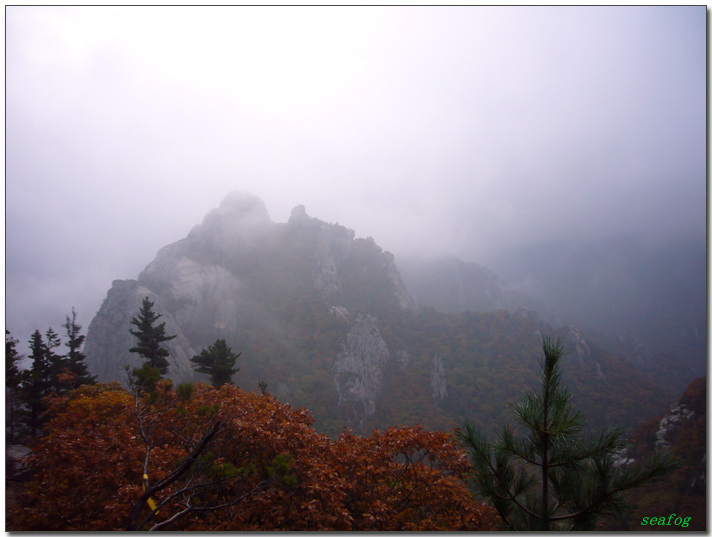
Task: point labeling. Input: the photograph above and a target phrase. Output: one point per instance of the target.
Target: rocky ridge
(211, 283)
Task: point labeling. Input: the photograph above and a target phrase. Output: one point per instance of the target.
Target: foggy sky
(469, 131)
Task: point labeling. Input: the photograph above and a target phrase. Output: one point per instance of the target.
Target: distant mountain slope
(325, 320)
(453, 286)
(647, 292)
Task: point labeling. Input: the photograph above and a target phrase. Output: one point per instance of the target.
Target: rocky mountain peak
(240, 221)
(242, 204)
(298, 216)
(238, 269)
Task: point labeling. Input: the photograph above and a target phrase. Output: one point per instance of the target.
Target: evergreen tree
(150, 338)
(262, 385)
(556, 477)
(75, 358)
(218, 361)
(12, 358)
(36, 382)
(58, 364)
(13, 377)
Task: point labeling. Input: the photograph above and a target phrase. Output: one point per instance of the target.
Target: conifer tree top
(150, 337)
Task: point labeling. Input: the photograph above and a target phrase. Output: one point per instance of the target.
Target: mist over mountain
(451, 285)
(643, 298)
(326, 320)
(646, 296)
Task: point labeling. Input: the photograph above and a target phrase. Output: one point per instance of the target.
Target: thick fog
(472, 131)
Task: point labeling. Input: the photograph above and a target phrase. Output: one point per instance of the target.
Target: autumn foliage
(226, 459)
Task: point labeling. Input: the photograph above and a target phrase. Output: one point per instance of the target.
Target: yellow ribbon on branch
(151, 503)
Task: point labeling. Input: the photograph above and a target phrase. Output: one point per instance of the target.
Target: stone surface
(359, 368)
(670, 422)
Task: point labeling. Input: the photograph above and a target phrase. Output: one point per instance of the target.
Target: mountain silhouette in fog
(326, 320)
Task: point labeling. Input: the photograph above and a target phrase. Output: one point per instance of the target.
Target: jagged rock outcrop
(336, 252)
(332, 247)
(681, 433)
(671, 422)
(239, 272)
(359, 368)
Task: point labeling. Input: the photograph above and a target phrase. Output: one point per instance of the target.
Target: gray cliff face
(335, 247)
(359, 368)
(358, 377)
(333, 244)
(198, 296)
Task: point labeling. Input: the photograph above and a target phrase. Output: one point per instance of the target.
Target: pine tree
(36, 382)
(58, 364)
(557, 477)
(12, 358)
(150, 338)
(13, 377)
(218, 361)
(75, 358)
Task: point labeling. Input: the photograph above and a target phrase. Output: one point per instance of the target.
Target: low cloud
(470, 131)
